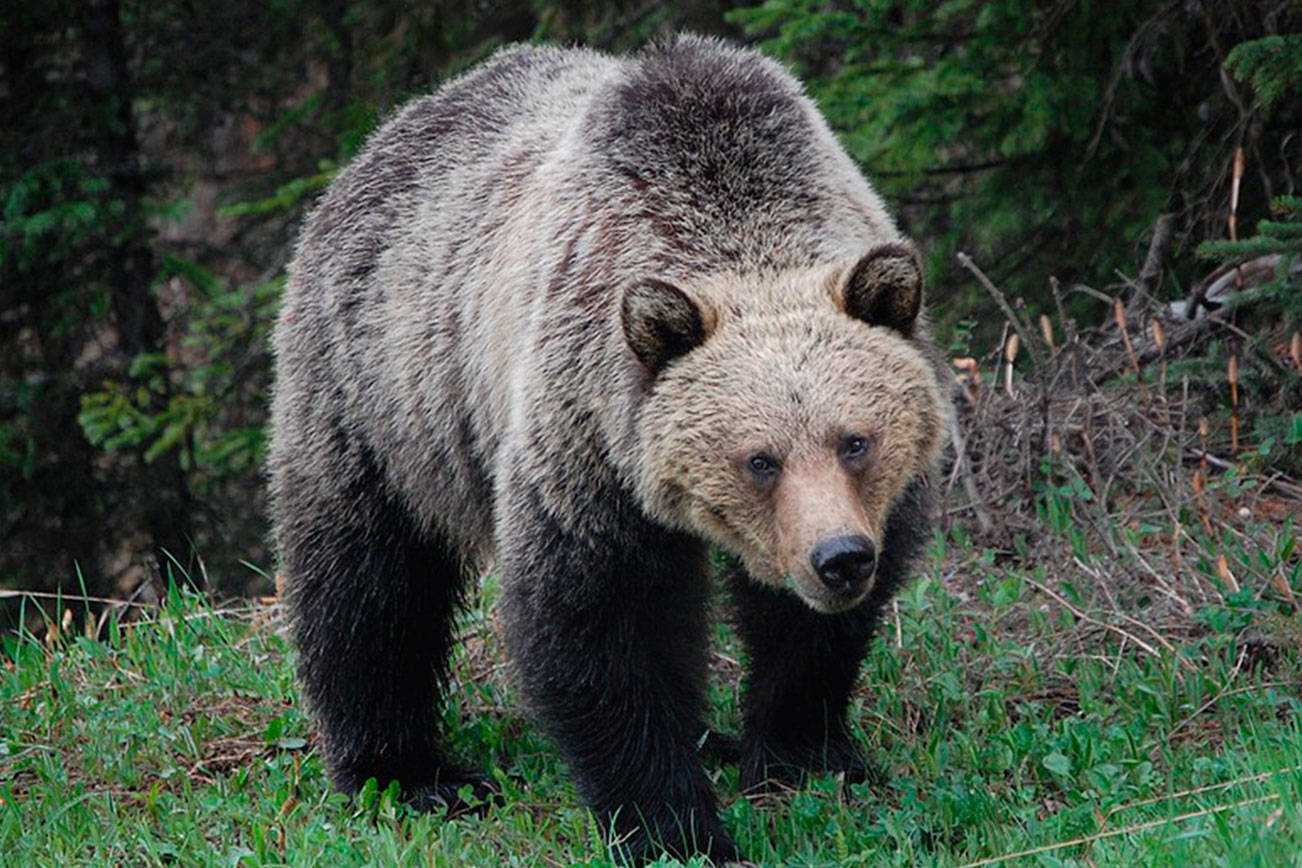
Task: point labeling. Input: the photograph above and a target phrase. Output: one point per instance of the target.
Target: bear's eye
(854, 446)
(763, 465)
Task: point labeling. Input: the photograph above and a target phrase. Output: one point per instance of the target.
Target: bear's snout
(846, 563)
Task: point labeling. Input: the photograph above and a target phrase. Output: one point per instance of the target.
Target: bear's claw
(447, 792)
(711, 841)
(766, 767)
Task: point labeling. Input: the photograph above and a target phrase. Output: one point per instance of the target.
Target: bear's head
(784, 417)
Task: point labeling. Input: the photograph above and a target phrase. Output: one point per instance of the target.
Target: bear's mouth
(806, 586)
(822, 599)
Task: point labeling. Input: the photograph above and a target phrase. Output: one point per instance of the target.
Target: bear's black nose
(845, 563)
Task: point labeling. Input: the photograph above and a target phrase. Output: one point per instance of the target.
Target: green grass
(1006, 724)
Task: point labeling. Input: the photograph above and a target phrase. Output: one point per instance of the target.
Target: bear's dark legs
(371, 604)
(803, 666)
(608, 631)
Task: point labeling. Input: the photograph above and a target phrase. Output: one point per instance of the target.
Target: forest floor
(1020, 720)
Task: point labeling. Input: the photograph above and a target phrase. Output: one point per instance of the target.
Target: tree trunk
(162, 495)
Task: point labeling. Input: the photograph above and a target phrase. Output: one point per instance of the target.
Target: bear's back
(708, 151)
(733, 162)
(453, 130)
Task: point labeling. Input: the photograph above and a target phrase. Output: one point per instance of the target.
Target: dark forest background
(156, 159)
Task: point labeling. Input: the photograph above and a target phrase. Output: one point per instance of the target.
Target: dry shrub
(1121, 459)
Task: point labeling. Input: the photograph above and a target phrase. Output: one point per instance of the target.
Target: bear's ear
(660, 322)
(885, 288)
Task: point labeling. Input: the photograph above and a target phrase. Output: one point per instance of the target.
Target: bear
(582, 319)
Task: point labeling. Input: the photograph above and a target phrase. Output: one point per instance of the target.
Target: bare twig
(1014, 320)
(963, 469)
(1150, 276)
(1126, 830)
(8, 594)
(1275, 482)
(1076, 610)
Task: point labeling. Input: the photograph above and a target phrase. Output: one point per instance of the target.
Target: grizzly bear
(579, 318)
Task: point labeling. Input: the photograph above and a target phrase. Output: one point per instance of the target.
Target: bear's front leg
(803, 666)
(606, 624)
(371, 602)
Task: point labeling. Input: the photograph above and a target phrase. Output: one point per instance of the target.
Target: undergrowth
(1019, 722)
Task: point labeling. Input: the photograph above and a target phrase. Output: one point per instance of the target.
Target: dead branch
(1023, 332)
(1150, 276)
(1210, 292)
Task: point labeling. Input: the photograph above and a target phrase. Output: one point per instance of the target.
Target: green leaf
(1057, 763)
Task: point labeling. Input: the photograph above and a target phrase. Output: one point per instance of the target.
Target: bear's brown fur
(584, 316)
